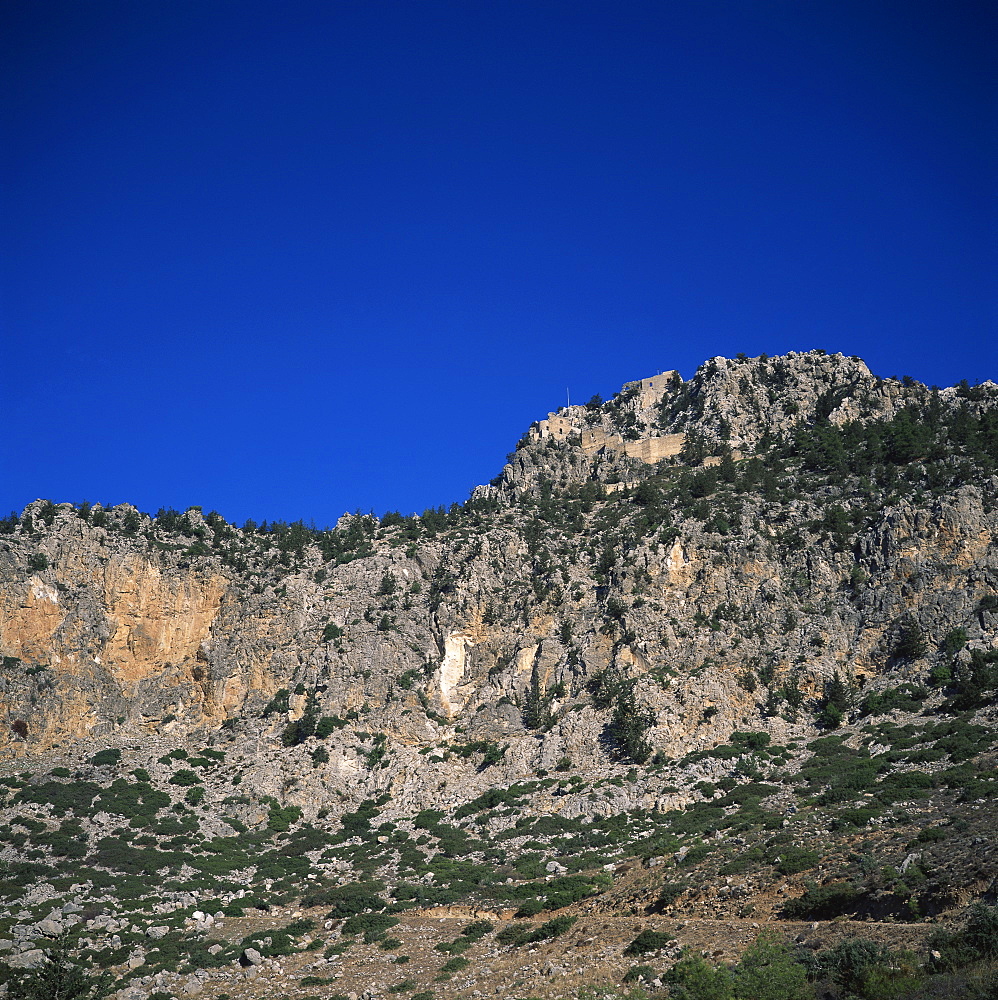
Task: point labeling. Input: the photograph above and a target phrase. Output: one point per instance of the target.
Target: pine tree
(628, 725)
(836, 702)
(911, 642)
(535, 708)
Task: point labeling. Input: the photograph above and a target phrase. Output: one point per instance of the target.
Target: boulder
(27, 959)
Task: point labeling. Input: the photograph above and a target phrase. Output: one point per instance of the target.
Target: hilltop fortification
(584, 424)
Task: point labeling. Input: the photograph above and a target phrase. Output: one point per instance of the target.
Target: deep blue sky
(286, 259)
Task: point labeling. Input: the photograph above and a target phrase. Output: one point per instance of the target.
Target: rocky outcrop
(114, 623)
(595, 688)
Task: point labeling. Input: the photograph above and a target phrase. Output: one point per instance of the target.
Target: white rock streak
(456, 646)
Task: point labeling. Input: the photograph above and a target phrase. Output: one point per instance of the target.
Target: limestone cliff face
(593, 551)
(102, 625)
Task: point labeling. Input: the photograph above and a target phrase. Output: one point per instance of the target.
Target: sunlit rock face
(710, 655)
(671, 535)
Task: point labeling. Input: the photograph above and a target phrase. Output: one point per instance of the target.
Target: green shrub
(767, 971)
(954, 641)
(848, 963)
(907, 698)
(279, 703)
(981, 930)
(520, 934)
(477, 929)
(492, 752)
(699, 818)
(407, 679)
(940, 675)
(530, 908)
(347, 900)
(696, 854)
(822, 902)
(962, 740)
(137, 801)
(106, 758)
(280, 818)
(843, 770)
(358, 823)
(846, 818)
(77, 796)
(69, 841)
(669, 892)
(932, 834)
(367, 923)
(904, 785)
(282, 939)
(327, 725)
(636, 972)
(331, 631)
(552, 928)
(794, 860)
(648, 941)
(750, 741)
(691, 978)
(472, 933)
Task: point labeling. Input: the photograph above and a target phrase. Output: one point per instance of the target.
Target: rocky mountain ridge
(662, 599)
(154, 622)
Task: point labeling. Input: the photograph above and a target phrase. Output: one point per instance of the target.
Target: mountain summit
(719, 650)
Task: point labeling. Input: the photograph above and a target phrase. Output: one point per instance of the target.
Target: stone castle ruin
(571, 420)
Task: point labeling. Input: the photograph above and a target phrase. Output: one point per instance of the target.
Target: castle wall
(654, 449)
(653, 384)
(556, 426)
(650, 450)
(592, 441)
